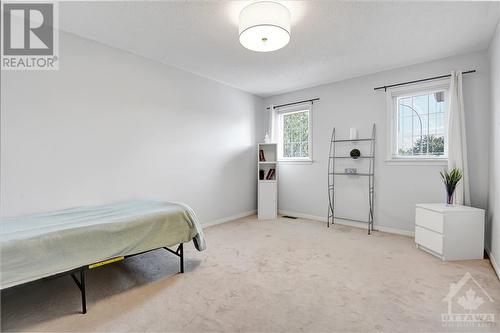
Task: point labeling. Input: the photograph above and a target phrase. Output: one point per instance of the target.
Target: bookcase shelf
(267, 167)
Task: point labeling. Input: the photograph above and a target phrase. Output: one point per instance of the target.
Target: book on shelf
(262, 158)
(270, 174)
(261, 174)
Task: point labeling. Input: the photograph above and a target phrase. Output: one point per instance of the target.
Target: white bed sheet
(41, 245)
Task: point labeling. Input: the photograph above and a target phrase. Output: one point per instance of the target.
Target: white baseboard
(302, 216)
(495, 265)
(354, 224)
(229, 218)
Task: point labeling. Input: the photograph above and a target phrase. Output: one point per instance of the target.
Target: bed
(72, 240)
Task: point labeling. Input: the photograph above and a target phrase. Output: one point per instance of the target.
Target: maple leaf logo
(470, 301)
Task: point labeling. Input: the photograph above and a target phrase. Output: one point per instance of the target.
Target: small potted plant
(451, 180)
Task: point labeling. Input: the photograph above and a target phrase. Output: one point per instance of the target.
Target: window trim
(279, 130)
(391, 98)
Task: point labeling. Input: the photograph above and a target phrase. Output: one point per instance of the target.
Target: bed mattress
(41, 245)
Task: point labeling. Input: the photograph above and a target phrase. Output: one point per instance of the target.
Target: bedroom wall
(354, 103)
(111, 126)
(493, 225)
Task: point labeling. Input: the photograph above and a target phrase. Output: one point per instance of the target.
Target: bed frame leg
(81, 285)
(84, 298)
(181, 256)
(180, 253)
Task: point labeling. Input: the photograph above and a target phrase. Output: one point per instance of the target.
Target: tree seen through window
(296, 134)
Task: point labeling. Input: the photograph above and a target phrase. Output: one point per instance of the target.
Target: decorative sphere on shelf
(355, 153)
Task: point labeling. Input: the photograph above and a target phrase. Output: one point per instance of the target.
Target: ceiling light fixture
(264, 26)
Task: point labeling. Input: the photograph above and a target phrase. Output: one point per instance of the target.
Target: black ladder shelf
(332, 173)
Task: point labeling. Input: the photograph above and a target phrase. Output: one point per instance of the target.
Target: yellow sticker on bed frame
(105, 262)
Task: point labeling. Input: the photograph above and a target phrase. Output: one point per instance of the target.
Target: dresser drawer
(429, 239)
(429, 219)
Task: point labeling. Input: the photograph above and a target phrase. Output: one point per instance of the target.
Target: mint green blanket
(37, 246)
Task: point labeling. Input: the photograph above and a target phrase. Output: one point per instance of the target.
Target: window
(419, 122)
(294, 134)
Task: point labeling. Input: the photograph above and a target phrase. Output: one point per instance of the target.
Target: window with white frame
(294, 134)
(419, 122)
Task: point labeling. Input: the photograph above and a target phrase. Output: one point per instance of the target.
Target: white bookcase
(267, 188)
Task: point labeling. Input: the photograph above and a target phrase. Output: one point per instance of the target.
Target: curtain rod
(421, 80)
(293, 103)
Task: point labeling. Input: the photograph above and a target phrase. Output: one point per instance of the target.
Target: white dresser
(450, 232)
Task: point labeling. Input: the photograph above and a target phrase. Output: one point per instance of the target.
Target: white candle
(353, 133)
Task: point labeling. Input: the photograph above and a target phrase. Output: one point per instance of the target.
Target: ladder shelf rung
(350, 174)
(349, 140)
(350, 219)
(334, 157)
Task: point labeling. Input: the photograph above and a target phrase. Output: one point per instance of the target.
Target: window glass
(420, 125)
(295, 136)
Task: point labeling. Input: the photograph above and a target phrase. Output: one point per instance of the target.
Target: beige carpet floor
(275, 276)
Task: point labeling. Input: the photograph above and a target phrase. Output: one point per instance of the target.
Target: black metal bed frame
(80, 283)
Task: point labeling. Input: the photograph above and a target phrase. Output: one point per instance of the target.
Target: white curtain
(457, 144)
(271, 130)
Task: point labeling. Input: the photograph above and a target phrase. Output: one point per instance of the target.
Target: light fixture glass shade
(264, 26)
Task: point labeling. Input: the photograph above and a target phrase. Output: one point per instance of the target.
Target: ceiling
(331, 40)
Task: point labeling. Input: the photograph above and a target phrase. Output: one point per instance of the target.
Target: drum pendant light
(264, 26)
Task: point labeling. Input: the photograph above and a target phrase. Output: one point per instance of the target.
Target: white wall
(354, 103)
(111, 126)
(493, 225)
